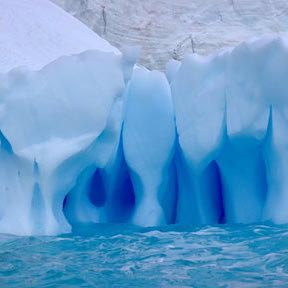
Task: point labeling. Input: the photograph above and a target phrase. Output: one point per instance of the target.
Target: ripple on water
(176, 256)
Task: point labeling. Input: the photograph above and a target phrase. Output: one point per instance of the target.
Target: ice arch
(49, 117)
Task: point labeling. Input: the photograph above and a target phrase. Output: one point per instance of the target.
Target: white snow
(35, 32)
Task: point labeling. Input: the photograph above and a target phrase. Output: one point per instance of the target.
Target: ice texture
(91, 138)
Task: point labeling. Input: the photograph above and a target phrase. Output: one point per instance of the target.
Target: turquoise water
(124, 256)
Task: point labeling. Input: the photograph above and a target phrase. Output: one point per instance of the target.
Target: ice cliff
(168, 29)
(91, 138)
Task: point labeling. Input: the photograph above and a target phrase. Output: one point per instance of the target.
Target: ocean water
(125, 256)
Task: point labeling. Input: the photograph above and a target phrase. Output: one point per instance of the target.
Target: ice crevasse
(91, 138)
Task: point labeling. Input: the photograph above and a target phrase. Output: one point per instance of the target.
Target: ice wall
(88, 140)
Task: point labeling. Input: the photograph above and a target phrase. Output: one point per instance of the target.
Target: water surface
(125, 256)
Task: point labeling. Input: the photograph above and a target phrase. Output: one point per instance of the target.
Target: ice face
(174, 28)
(83, 143)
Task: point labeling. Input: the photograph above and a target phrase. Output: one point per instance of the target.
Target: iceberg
(89, 137)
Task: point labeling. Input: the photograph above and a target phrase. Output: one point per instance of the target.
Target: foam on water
(126, 256)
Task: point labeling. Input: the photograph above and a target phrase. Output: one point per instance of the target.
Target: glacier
(170, 29)
(92, 138)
